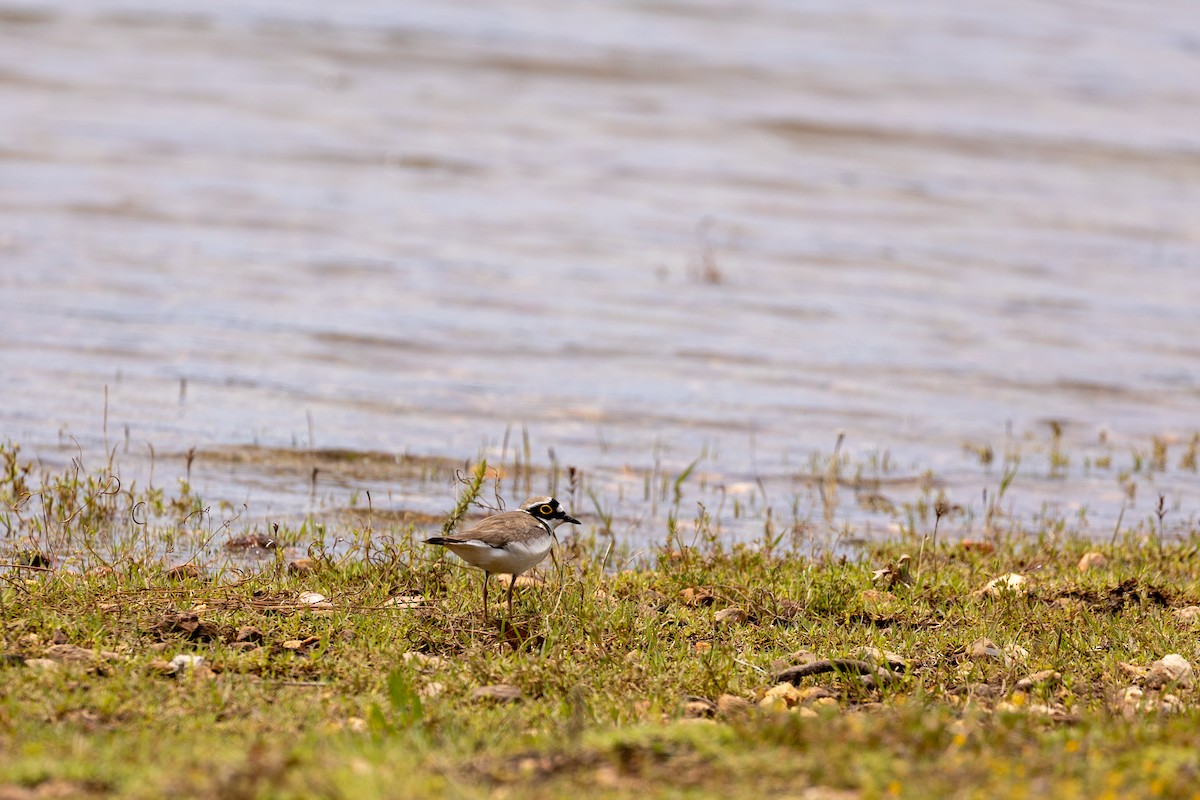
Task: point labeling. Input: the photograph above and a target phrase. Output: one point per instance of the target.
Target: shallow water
(643, 231)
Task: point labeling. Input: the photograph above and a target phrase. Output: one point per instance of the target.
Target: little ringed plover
(510, 542)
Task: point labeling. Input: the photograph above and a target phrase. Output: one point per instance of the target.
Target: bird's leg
(511, 584)
(486, 575)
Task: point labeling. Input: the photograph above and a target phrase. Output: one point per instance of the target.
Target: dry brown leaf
(187, 623)
(184, 572)
(730, 616)
(695, 596)
(249, 633)
(300, 645)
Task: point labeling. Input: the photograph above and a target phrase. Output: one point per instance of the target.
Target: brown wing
(499, 529)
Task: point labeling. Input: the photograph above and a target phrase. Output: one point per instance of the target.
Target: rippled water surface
(643, 232)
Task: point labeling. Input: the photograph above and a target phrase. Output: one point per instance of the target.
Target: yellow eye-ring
(547, 510)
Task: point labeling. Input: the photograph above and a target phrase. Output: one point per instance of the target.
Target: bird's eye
(547, 510)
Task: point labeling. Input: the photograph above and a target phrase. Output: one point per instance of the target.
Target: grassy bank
(1012, 667)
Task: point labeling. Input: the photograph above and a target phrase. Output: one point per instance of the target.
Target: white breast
(511, 560)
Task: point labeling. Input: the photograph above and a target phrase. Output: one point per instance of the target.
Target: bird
(509, 542)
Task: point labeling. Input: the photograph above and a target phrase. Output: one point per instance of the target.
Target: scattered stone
(810, 695)
(69, 653)
(730, 616)
(525, 579)
(1011, 583)
(314, 600)
(41, 664)
(699, 707)
(823, 703)
(1021, 705)
(985, 648)
(431, 690)
(1134, 701)
(780, 697)
(1014, 653)
(1044, 678)
(244, 647)
(1093, 560)
(1134, 671)
(730, 705)
(500, 692)
(184, 662)
(1190, 614)
(884, 658)
(1171, 704)
(1171, 669)
(424, 662)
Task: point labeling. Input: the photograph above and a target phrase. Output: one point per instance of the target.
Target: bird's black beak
(570, 519)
